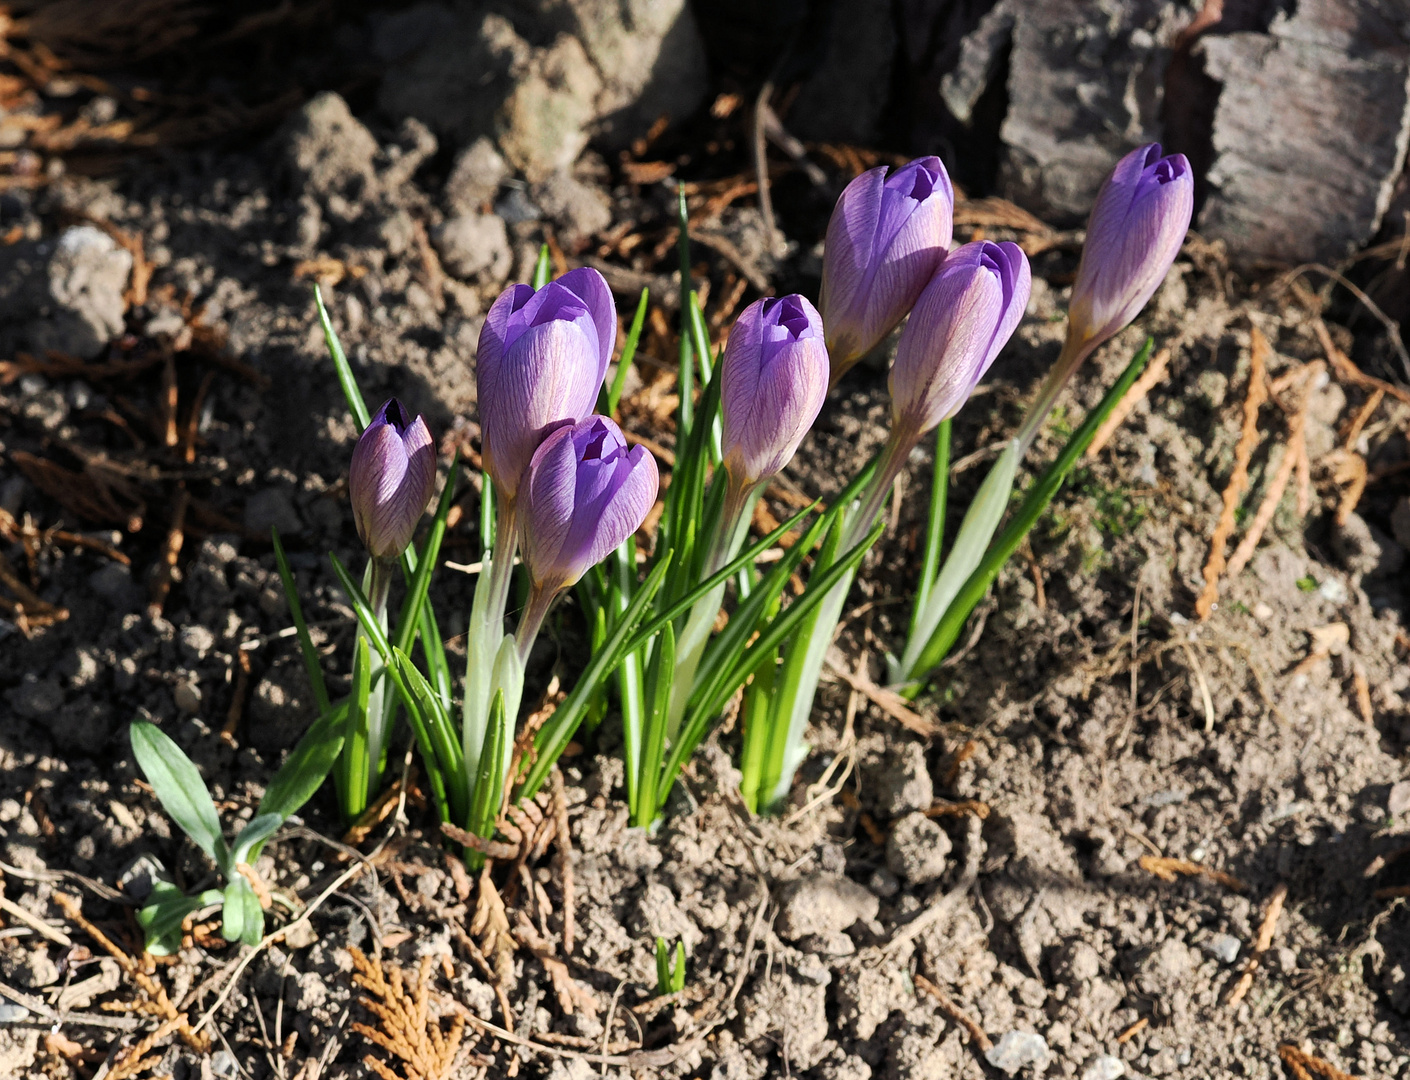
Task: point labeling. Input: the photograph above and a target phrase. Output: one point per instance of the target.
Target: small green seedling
(670, 971)
(183, 795)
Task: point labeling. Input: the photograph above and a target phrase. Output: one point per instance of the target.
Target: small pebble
(1105, 1068)
(1223, 946)
(1017, 1049)
(187, 697)
(11, 1013)
(1399, 799)
(223, 1064)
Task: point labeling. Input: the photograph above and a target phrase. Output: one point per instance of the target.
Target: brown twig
(1261, 946)
(564, 842)
(890, 702)
(237, 701)
(175, 538)
(1297, 434)
(1134, 1030)
(955, 1013)
(1304, 1066)
(1153, 375)
(1167, 870)
(1238, 480)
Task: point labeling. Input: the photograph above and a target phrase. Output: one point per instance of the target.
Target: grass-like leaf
(180, 789)
(312, 663)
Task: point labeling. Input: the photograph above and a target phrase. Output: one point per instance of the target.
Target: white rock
(1017, 1049)
(1105, 1068)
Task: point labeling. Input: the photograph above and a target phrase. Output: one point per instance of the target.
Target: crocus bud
(541, 361)
(963, 318)
(390, 480)
(583, 494)
(886, 237)
(774, 376)
(1137, 226)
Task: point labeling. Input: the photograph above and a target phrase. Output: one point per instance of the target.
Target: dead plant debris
(419, 1041)
(1168, 869)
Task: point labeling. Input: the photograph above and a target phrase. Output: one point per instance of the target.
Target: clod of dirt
(580, 210)
(30, 968)
(916, 1051)
(903, 783)
(64, 295)
(475, 245)
(866, 996)
(474, 178)
(790, 1011)
(329, 152)
(917, 849)
(823, 904)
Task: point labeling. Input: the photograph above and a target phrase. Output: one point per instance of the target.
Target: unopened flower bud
(390, 480)
(775, 373)
(885, 239)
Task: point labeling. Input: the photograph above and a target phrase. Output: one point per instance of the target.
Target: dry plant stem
(1261, 946)
(1304, 1066)
(1297, 434)
(1166, 869)
(157, 1000)
(564, 843)
(1348, 371)
(1362, 417)
(1154, 374)
(955, 1013)
(43, 929)
(1134, 1030)
(1238, 480)
(890, 702)
(175, 538)
(1363, 693)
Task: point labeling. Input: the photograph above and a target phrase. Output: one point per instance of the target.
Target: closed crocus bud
(774, 378)
(583, 494)
(1137, 226)
(390, 480)
(963, 318)
(541, 361)
(886, 237)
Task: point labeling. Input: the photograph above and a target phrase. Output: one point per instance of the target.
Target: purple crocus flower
(964, 317)
(775, 374)
(1137, 225)
(583, 494)
(886, 237)
(541, 361)
(390, 479)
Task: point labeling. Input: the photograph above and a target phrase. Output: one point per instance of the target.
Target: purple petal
(591, 287)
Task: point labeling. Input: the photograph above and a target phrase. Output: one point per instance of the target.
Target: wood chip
(1134, 1030)
(1169, 869)
(969, 806)
(1363, 693)
(1261, 946)
(1155, 373)
(1238, 479)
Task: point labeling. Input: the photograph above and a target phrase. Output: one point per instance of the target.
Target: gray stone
(579, 210)
(1085, 86)
(859, 54)
(475, 245)
(917, 849)
(823, 904)
(981, 52)
(195, 641)
(474, 178)
(1329, 155)
(1105, 1067)
(1224, 947)
(542, 126)
(64, 294)
(330, 152)
(140, 876)
(1017, 1049)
